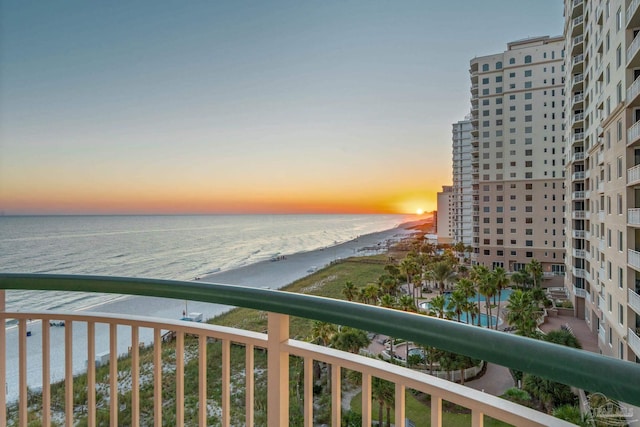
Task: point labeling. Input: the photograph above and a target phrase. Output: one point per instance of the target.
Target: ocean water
(163, 247)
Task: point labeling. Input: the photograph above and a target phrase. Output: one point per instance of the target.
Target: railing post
(277, 370)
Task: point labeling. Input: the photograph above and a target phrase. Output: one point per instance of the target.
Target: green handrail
(615, 378)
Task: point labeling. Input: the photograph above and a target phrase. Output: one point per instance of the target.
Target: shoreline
(272, 274)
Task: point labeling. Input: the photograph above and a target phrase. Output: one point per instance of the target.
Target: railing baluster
(308, 392)
(157, 378)
(113, 373)
(68, 374)
(400, 404)
(46, 374)
(91, 372)
(366, 399)
(226, 383)
(477, 418)
(436, 411)
(202, 380)
(336, 398)
(277, 370)
(22, 371)
(179, 379)
(249, 384)
(135, 377)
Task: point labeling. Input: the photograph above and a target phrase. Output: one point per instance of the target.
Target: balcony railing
(600, 303)
(579, 292)
(577, 21)
(577, 118)
(633, 133)
(578, 234)
(633, 6)
(633, 174)
(578, 156)
(633, 258)
(578, 195)
(578, 97)
(634, 341)
(577, 175)
(633, 90)
(579, 136)
(633, 216)
(602, 334)
(634, 301)
(633, 49)
(580, 369)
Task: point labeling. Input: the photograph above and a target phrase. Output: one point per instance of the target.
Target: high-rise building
(462, 219)
(517, 151)
(602, 134)
(444, 222)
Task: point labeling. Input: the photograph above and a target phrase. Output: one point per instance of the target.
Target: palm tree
(406, 303)
(349, 290)
(380, 391)
(500, 281)
(387, 301)
(388, 285)
(562, 337)
(457, 303)
(410, 268)
(521, 278)
(371, 293)
(534, 268)
(523, 312)
(438, 306)
(350, 339)
(487, 288)
(442, 272)
(477, 276)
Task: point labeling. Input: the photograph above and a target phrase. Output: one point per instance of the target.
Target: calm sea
(164, 247)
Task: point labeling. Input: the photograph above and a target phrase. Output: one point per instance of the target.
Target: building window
(512, 61)
(529, 254)
(527, 95)
(620, 278)
(619, 167)
(619, 130)
(620, 314)
(620, 240)
(498, 65)
(619, 56)
(619, 19)
(527, 59)
(485, 67)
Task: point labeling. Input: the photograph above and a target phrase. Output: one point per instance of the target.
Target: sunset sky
(240, 106)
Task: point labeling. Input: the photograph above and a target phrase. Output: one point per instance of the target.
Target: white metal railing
(577, 2)
(577, 21)
(602, 334)
(578, 234)
(633, 6)
(577, 175)
(633, 133)
(578, 156)
(634, 89)
(577, 117)
(579, 253)
(578, 78)
(578, 215)
(633, 258)
(579, 292)
(279, 347)
(578, 59)
(579, 136)
(633, 216)
(578, 39)
(578, 195)
(578, 97)
(633, 174)
(600, 157)
(633, 48)
(634, 342)
(601, 273)
(601, 303)
(634, 301)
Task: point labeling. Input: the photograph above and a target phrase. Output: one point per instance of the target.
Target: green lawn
(420, 413)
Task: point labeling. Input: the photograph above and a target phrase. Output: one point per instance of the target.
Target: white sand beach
(272, 274)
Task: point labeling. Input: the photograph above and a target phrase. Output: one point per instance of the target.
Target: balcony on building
(578, 176)
(633, 133)
(577, 26)
(577, 137)
(579, 253)
(577, 45)
(578, 98)
(193, 341)
(632, 14)
(633, 56)
(578, 195)
(634, 341)
(577, 156)
(576, 82)
(634, 299)
(602, 334)
(633, 93)
(633, 259)
(576, 8)
(577, 64)
(577, 120)
(578, 234)
(601, 303)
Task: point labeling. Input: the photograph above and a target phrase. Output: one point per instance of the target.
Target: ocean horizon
(176, 247)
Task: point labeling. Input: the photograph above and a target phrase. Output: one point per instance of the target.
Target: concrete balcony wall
(634, 301)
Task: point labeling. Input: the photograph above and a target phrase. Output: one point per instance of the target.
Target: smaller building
(444, 227)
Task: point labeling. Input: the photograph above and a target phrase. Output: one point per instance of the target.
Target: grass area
(327, 282)
(419, 412)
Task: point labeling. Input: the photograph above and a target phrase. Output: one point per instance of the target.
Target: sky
(240, 106)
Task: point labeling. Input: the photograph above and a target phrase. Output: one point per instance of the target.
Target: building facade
(462, 219)
(602, 133)
(517, 156)
(444, 223)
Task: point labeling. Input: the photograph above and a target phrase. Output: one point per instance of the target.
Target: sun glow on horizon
(419, 211)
